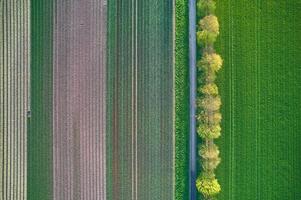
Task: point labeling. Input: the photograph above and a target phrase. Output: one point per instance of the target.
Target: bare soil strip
(79, 100)
(14, 68)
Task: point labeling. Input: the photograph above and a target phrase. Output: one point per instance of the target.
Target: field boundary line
(173, 98)
(232, 105)
(136, 101)
(258, 102)
(134, 98)
(231, 98)
(257, 29)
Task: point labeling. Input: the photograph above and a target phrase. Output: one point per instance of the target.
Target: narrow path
(192, 101)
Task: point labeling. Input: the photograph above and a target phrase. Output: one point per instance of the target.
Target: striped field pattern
(79, 96)
(14, 97)
(140, 140)
(260, 87)
(94, 99)
(74, 126)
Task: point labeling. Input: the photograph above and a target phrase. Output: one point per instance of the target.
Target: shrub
(211, 61)
(209, 23)
(209, 89)
(210, 104)
(205, 6)
(209, 187)
(209, 131)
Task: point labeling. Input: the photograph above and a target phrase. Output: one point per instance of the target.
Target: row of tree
(209, 101)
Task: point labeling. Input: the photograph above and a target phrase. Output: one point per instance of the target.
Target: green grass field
(260, 87)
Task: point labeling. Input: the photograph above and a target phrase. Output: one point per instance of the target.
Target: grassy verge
(182, 100)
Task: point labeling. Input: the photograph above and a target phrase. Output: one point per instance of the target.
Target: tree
(210, 155)
(209, 118)
(211, 164)
(209, 103)
(205, 6)
(209, 151)
(211, 61)
(209, 23)
(209, 187)
(206, 131)
(210, 76)
(205, 38)
(209, 89)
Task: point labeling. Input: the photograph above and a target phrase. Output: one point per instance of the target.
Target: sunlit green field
(260, 88)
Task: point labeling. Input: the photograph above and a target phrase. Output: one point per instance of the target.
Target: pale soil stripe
(134, 99)
(79, 88)
(13, 91)
(2, 81)
(174, 98)
(1, 101)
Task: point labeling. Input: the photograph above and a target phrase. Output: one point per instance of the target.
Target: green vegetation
(260, 87)
(205, 7)
(39, 140)
(181, 99)
(209, 101)
(208, 186)
(140, 120)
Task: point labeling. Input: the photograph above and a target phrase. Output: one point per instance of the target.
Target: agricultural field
(79, 95)
(39, 133)
(260, 88)
(94, 99)
(140, 139)
(14, 98)
(66, 140)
